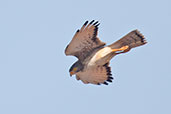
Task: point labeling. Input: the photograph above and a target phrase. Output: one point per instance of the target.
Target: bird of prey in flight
(94, 56)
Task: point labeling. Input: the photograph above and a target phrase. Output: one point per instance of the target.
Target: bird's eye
(75, 69)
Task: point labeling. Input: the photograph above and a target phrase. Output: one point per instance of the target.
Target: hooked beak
(71, 73)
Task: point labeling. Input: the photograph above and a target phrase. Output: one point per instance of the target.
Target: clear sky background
(34, 77)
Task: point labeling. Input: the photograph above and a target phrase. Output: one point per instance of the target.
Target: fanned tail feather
(132, 39)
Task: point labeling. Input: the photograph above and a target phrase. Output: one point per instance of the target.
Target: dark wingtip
(85, 23)
(95, 23)
(109, 80)
(108, 71)
(78, 30)
(98, 84)
(91, 22)
(105, 83)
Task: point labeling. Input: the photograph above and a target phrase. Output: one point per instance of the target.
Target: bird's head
(76, 67)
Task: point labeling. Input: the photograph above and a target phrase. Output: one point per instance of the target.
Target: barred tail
(132, 39)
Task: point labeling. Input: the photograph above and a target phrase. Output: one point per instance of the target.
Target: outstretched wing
(98, 75)
(84, 41)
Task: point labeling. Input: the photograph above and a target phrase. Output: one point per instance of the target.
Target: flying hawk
(93, 56)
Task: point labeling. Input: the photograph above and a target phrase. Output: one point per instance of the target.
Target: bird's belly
(101, 57)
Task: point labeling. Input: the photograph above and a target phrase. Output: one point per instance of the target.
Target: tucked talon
(124, 48)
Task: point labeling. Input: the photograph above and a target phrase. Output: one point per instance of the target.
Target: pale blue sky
(34, 76)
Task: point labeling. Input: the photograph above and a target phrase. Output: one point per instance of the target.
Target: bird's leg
(122, 49)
